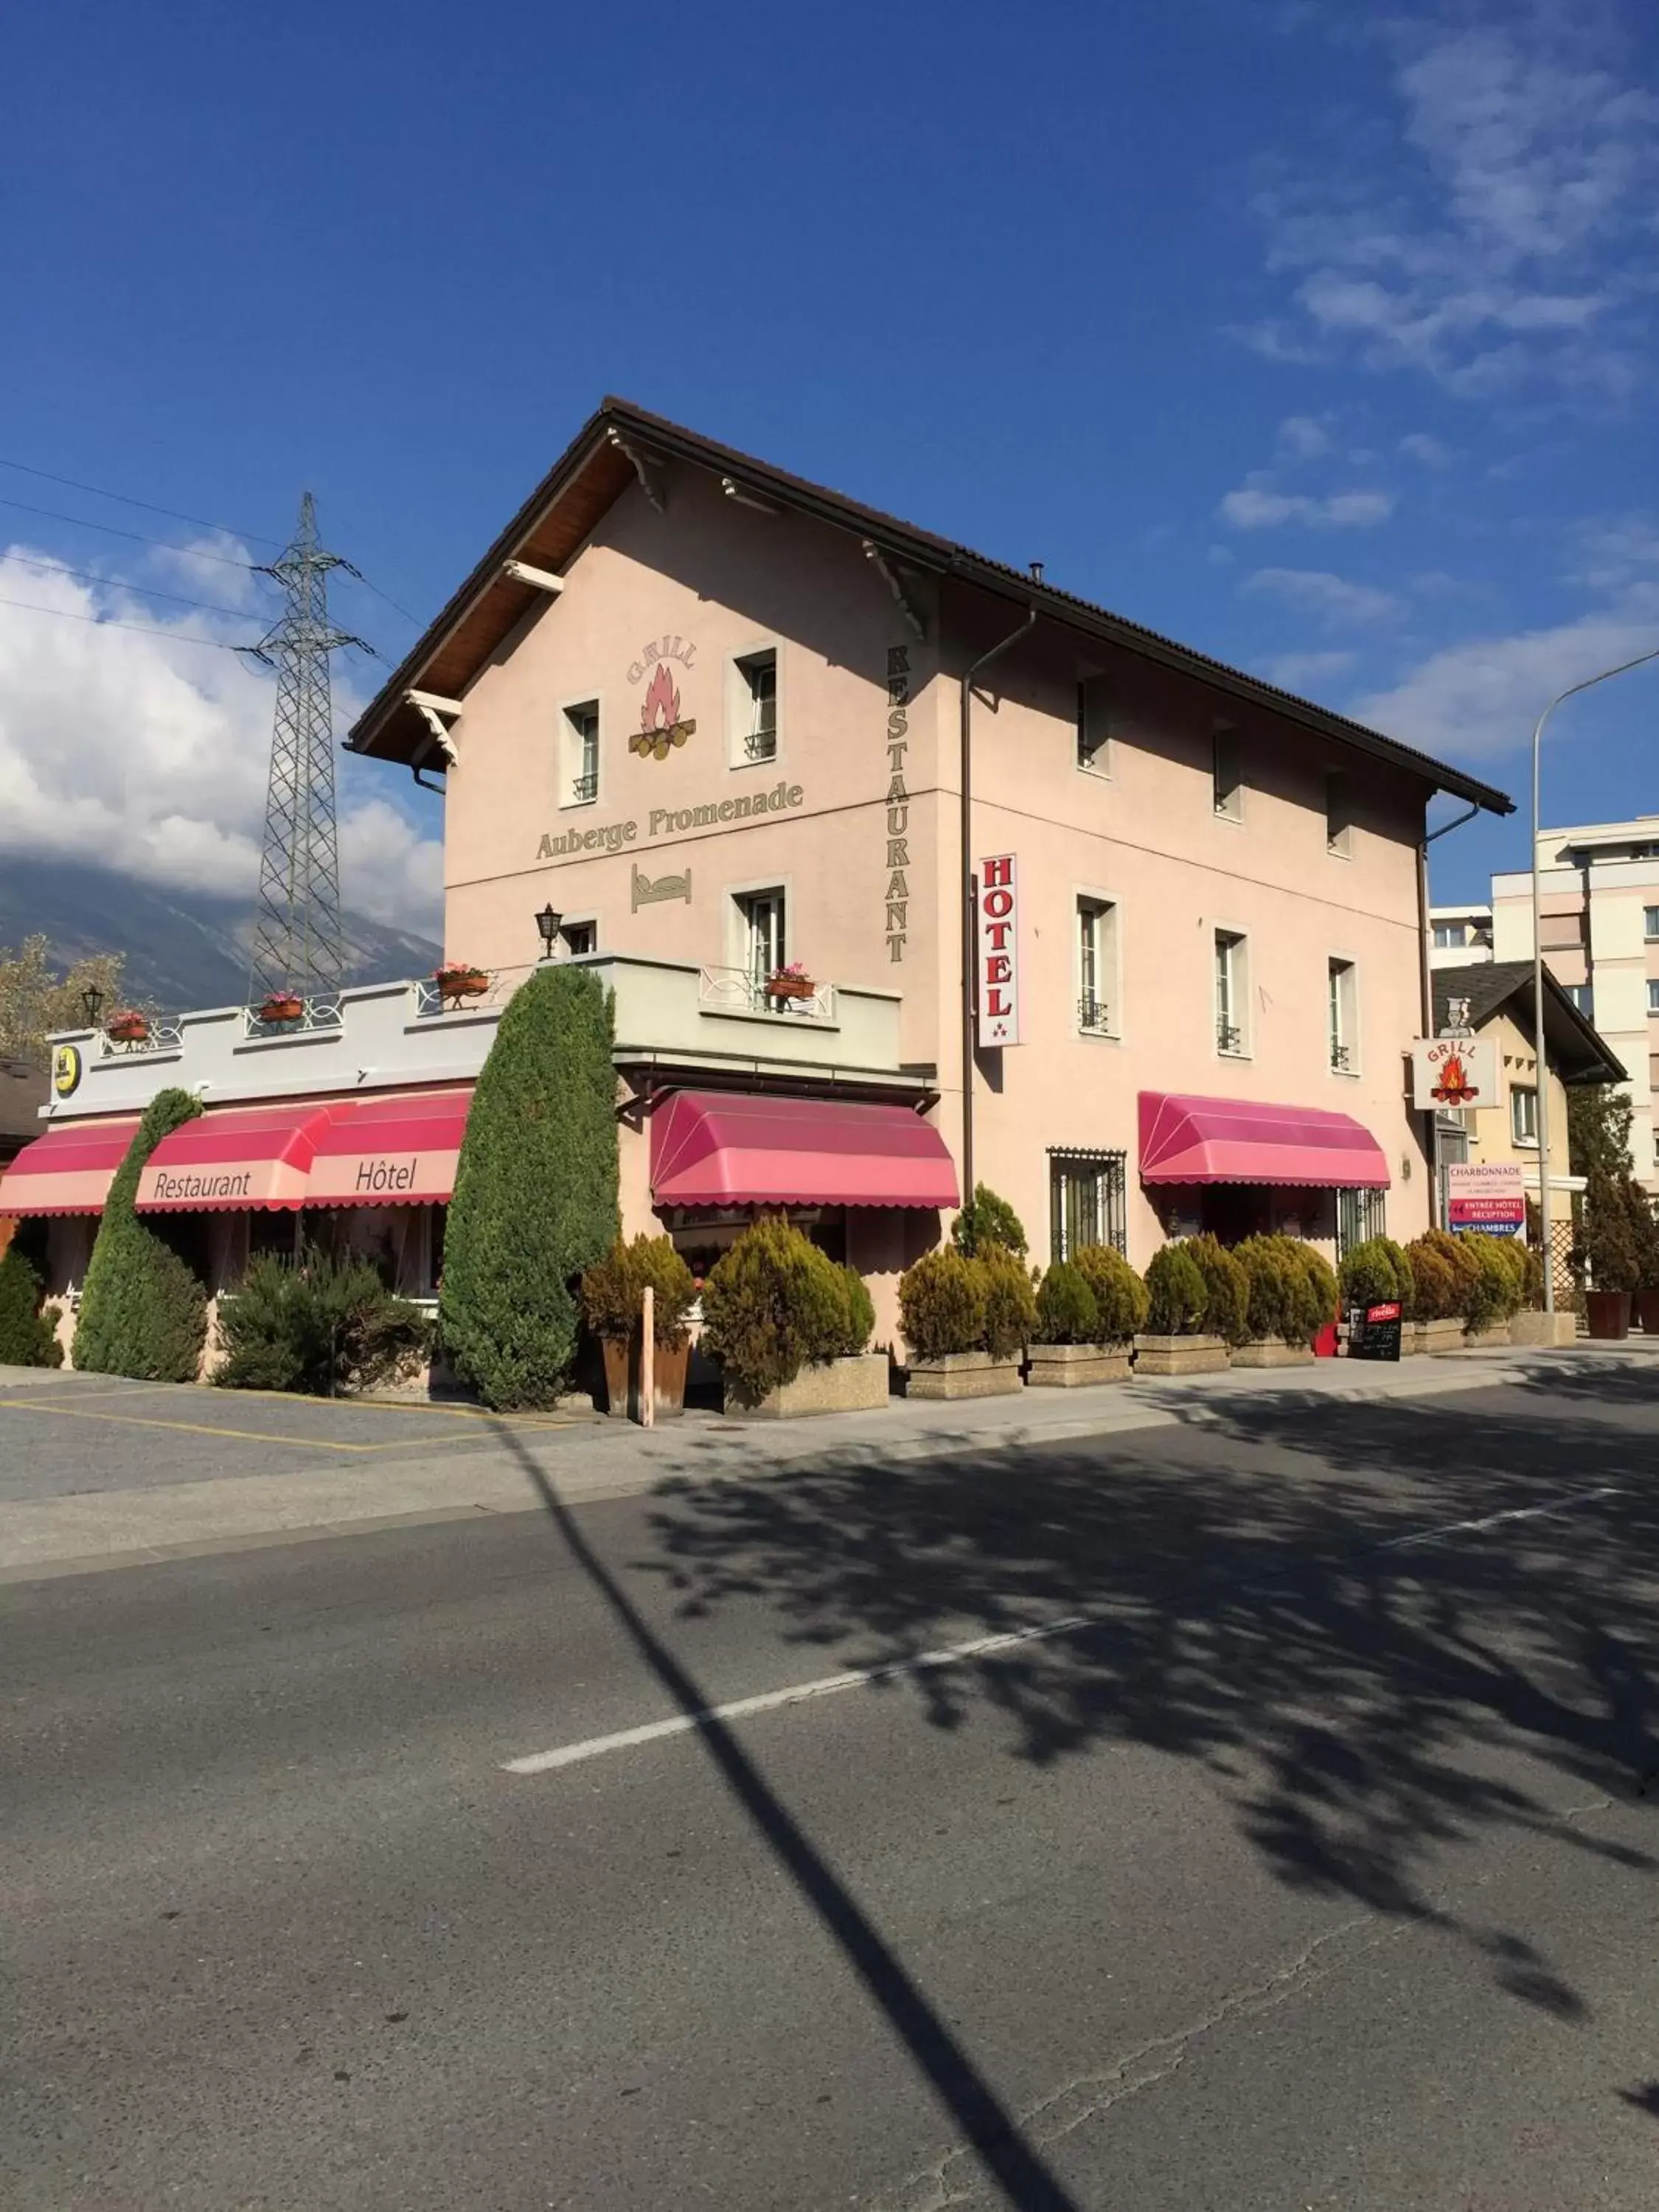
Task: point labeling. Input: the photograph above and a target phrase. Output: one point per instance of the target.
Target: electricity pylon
(296, 924)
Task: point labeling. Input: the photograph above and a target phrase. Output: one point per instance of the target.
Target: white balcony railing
(737, 990)
(323, 1012)
(432, 1004)
(159, 1037)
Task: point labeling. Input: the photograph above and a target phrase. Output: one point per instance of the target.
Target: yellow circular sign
(65, 1069)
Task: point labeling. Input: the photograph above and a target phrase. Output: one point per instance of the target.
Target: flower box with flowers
(790, 982)
(457, 980)
(281, 1006)
(128, 1026)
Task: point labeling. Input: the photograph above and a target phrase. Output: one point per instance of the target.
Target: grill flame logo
(661, 709)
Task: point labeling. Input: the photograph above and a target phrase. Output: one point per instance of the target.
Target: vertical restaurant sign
(898, 799)
(997, 922)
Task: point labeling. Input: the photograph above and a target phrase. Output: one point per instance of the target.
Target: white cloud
(1304, 672)
(148, 752)
(1256, 505)
(1422, 445)
(1332, 601)
(1303, 437)
(1508, 244)
(1483, 696)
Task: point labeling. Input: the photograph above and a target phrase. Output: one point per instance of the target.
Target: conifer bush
(1227, 1292)
(1177, 1294)
(319, 1325)
(1066, 1309)
(613, 1288)
(770, 1304)
(987, 1223)
(143, 1312)
(858, 1321)
(1439, 1273)
(1121, 1298)
(1374, 1271)
(1499, 1281)
(1010, 1305)
(942, 1305)
(28, 1331)
(1322, 1295)
(535, 1199)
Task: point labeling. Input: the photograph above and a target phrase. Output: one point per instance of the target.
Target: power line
(190, 552)
(109, 622)
(119, 584)
(413, 619)
(124, 499)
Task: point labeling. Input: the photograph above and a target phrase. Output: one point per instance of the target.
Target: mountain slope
(183, 948)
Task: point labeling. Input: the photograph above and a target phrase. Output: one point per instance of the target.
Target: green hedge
(1374, 1271)
(1121, 1298)
(28, 1334)
(987, 1223)
(613, 1291)
(1442, 1276)
(535, 1199)
(1066, 1309)
(772, 1304)
(942, 1305)
(1226, 1290)
(1011, 1316)
(324, 1326)
(1177, 1295)
(143, 1312)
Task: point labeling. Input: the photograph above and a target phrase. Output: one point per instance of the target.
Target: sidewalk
(479, 1464)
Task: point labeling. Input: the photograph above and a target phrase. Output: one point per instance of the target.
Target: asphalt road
(1293, 1846)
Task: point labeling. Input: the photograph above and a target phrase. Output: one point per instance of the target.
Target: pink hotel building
(1133, 937)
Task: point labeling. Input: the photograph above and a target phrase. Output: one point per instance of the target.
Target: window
(1653, 995)
(1650, 922)
(1085, 1201)
(1097, 966)
(757, 707)
(580, 937)
(1359, 1214)
(1450, 935)
(1524, 1113)
(1093, 725)
(1343, 994)
(1582, 997)
(761, 919)
(1231, 993)
(581, 752)
(1339, 827)
(1227, 781)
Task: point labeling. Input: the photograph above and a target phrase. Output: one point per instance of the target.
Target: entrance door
(1233, 1211)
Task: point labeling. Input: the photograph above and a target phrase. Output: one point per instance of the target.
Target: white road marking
(956, 1654)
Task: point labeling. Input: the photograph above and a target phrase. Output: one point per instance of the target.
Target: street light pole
(1570, 692)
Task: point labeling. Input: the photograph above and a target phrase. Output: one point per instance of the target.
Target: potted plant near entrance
(789, 1329)
(1088, 1309)
(613, 1300)
(1293, 1295)
(1174, 1341)
(1610, 1250)
(458, 980)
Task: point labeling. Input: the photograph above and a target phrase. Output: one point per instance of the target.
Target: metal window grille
(760, 741)
(1359, 1214)
(1086, 1201)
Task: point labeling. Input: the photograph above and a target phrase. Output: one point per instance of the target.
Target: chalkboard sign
(1374, 1331)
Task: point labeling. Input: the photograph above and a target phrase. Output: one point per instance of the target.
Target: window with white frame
(1231, 993)
(1094, 724)
(1226, 775)
(1650, 922)
(580, 937)
(1339, 823)
(1342, 998)
(1450, 935)
(1523, 1113)
(581, 753)
(1653, 995)
(1097, 966)
(1583, 997)
(755, 732)
(761, 922)
(1086, 1202)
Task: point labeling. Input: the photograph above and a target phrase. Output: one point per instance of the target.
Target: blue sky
(1323, 343)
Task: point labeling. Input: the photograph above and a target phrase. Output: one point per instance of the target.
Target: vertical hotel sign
(997, 922)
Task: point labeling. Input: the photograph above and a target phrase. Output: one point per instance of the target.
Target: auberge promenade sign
(672, 821)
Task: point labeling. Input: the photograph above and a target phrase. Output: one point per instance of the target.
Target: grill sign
(1453, 1072)
(997, 916)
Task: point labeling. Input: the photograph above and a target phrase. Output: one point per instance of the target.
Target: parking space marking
(258, 1436)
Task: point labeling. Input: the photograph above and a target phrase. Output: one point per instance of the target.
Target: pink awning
(731, 1148)
(397, 1150)
(242, 1156)
(68, 1170)
(1189, 1140)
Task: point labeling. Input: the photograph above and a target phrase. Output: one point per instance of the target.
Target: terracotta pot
(473, 985)
(789, 986)
(1609, 1315)
(1647, 1310)
(130, 1032)
(668, 1371)
(620, 1374)
(282, 1006)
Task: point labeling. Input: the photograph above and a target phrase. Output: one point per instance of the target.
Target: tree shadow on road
(1265, 1594)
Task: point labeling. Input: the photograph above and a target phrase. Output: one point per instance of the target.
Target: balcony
(261, 1022)
(738, 990)
(156, 1035)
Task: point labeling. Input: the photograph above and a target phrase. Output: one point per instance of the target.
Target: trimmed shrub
(613, 1291)
(1067, 1311)
(770, 1304)
(1227, 1292)
(1177, 1293)
(29, 1333)
(1373, 1272)
(611, 1299)
(1444, 1276)
(1323, 1297)
(1121, 1298)
(988, 1222)
(942, 1305)
(858, 1318)
(1009, 1304)
(1277, 1291)
(1495, 1289)
(143, 1312)
(1645, 1236)
(323, 1326)
(535, 1199)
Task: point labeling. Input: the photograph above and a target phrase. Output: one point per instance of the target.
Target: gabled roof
(1576, 1048)
(619, 445)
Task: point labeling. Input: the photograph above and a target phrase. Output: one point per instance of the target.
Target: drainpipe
(984, 661)
(1425, 991)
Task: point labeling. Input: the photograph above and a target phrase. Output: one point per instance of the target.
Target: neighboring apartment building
(1458, 935)
(1599, 899)
(705, 724)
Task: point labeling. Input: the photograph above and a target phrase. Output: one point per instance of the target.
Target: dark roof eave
(922, 549)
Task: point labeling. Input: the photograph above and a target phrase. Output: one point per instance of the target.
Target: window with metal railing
(582, 751)
(1086, 1201)
(757, 674)
(1231, 993)
(1097, 964)
(1360, 1214)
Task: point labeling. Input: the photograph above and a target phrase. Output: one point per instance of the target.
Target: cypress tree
(143, 1312)
(27, 1337)
(535, 1199)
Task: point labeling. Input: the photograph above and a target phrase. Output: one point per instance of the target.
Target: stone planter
(963, 1375)
(857, 1385)
(1497, 1332)
(1273, 1352)
(1535, 1329)
(1609, 1315)
(1074, 1366)
(1181, 1355)
(1432, 1336)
